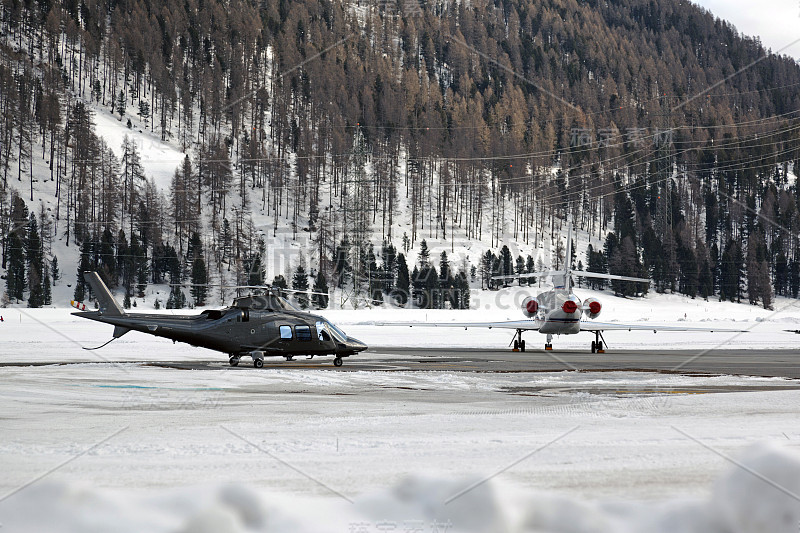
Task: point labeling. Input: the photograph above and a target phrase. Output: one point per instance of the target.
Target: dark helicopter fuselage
(256, 326)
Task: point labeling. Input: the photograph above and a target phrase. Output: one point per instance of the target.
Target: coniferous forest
(659, 129)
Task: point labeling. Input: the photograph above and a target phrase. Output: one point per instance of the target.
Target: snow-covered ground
(313, 450)
(95, 445)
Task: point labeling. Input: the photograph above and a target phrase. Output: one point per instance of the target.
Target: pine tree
(487, 261)
(389, 258)
(417, 287)
(342, 269)
(176, 299)
(446, 285)
(138, 265)
(124, 262)
(432, 288)
(199, 272)
(402, 284)
(85, 265)
(794, 278)
(374, 276)
(461, 298)
(530, 268)
(424, 254)
(55, 273)
(35, 258)
(300, 283)
(730, 272)
(108, 259)
(320, 298)
(15, 275)
(199, 281)
(226, 240)
(144, 111)
(121, 103)
(519, 268)
(47, 290)
(506, 262)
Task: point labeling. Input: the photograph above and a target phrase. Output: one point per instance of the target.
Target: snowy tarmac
(765, 363)
(146, 435)
(778, 362)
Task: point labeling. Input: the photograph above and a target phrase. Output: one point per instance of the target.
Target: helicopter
(255, 326)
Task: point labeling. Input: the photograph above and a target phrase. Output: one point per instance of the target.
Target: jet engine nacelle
(592, 307)
(530, 306)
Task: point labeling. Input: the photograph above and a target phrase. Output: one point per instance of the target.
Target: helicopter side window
(303, 333)
(286, 332)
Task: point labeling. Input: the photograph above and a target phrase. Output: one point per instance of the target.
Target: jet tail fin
(108, 305)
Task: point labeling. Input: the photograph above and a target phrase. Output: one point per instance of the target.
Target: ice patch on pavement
(758, 494)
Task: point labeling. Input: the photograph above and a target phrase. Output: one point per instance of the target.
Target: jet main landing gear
(337, 361)
(597, 344)
(519, 343)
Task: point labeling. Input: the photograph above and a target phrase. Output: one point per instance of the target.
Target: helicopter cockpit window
(286, 332)
(303, 333)
(322, 333)
(338, 334)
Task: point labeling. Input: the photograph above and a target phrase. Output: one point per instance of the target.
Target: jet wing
(611, 326)
(525, 325)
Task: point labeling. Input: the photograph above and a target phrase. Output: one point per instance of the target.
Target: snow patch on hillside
(159, 159)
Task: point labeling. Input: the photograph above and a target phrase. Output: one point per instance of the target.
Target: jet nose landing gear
(549, 345)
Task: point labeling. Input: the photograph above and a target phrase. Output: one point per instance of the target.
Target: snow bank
(759, 494)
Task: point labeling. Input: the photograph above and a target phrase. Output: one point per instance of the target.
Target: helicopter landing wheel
(258, 363)
(234, 361)
(337, 361)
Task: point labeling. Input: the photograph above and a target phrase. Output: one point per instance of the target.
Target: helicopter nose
(356, 345)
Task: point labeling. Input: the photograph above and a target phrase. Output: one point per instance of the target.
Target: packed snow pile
(758, 494)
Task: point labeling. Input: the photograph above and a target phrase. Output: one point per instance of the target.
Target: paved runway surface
(768, 363)
(764, 363)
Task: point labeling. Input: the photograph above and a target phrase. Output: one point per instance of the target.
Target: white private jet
(558, 311)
